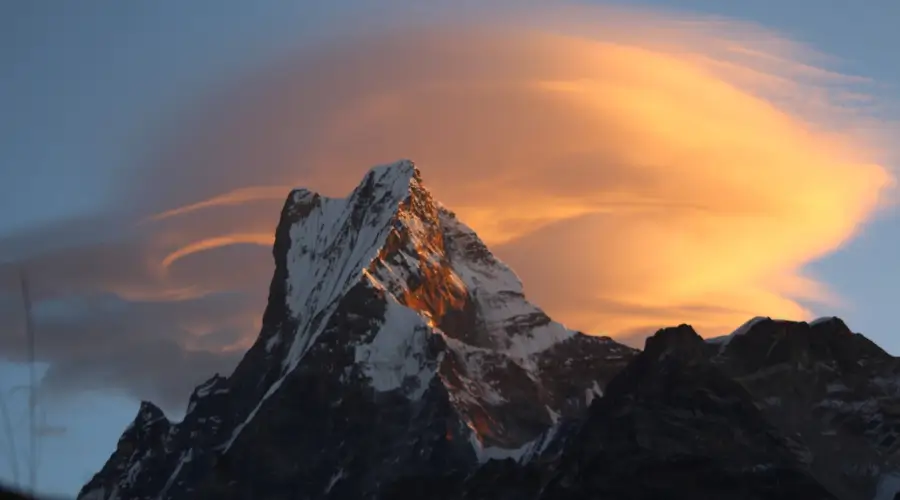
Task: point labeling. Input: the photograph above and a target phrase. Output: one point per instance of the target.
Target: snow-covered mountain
(400, 360)
(394, 344)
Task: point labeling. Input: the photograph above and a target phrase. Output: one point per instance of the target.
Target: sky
(638, 164)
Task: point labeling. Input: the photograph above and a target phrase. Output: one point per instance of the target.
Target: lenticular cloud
(631, 181)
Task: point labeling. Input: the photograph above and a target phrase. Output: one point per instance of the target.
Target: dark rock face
(833, 389)
(672, 425)
(399, 359)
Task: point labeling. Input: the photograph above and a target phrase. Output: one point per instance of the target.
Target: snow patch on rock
(592, 392)
(724, 340)
(185, 458)
(522, 454)
(397, 358)
(335, 478)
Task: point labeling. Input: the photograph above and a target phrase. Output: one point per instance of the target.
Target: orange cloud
(665, 170)
(152, 294)
(217, 242)
(236, 197)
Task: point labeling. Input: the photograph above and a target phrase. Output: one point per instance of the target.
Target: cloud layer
(645, 171)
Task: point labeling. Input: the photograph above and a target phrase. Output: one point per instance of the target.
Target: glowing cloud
(236, 197)
(631, 182)
(636, 169)
(217, 242)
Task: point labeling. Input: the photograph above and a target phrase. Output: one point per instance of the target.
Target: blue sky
(87, 84)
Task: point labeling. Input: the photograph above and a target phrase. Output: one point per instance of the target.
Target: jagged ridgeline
(399, 359)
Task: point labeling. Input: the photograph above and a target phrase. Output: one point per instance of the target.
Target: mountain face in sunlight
(383, 305)
(399, 358)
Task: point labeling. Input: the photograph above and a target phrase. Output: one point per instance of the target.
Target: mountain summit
(399, 360)
(394, 344)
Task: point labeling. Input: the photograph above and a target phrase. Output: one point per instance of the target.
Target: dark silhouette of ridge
(6, 493)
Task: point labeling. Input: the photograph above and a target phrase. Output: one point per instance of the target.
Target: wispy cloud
(636, 168)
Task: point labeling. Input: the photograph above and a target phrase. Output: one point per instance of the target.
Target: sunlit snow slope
(381, 295)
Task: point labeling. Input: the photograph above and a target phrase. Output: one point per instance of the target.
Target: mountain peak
(332, 241)
(397, 352)
(391, 234)
(439, 288)
(398, 355)
(764, 341)
(680, 341)
(148, 413)
(396, 177)
(400, 171)
(384, 309)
